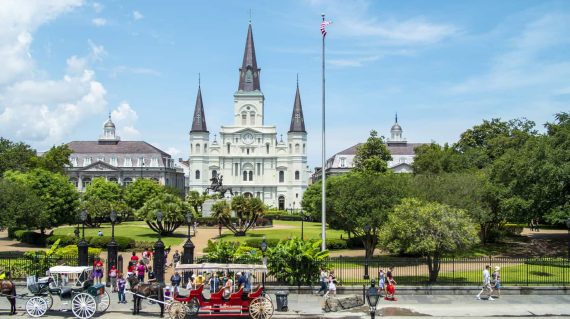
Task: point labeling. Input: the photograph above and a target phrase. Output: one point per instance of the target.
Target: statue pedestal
(207, 207)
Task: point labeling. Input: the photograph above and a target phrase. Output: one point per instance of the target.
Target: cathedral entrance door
(281, 202)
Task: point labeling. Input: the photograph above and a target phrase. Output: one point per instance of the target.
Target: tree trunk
(434, 265)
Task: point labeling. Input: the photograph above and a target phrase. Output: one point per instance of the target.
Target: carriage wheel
(261, 308)
(36, 306)
(177, 310)
(103, 302)
(193, 307)
(83, 306)
(49, 300)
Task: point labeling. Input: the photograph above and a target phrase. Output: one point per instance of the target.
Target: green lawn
(311, 231)
(139, 231)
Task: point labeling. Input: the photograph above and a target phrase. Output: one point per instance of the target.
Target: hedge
(256, 242)
(124, 243)
(283, 217)
(30, 237)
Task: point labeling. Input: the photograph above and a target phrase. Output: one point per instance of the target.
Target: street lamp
(82, 245)
(112, 247)
(302, 225)
(142, 167)
(372, 298)
(158, 261)
(568, 225)
(263, 249)
(188, 254)
(366, 233)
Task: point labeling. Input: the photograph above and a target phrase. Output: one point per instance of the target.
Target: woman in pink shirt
(141, 268)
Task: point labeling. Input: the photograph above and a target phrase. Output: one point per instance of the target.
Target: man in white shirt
(486, 284)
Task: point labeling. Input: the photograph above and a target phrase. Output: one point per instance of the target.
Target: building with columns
(121, 161)
(247, 154)
(402, 152)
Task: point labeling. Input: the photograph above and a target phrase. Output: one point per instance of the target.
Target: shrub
(283, 217)
(256, 242)
(336, 243)
(30, 237)
(71, 250)
(64, 240)
(124, 243)
(513, 229)
(354, 242)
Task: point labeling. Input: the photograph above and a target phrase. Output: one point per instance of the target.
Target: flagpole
(323, 170)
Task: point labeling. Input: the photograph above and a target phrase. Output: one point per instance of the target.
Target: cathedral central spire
(199, 120)
(297, 120)
(249, 72)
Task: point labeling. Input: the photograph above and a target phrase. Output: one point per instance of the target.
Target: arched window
(251, 118)
(245, 176)
(214, 173)
(290, 148)
(113, 179)
(197, 174)
(304, 149)
(127, 181)
(74, 181)
(297, 149)
(281, 176)
(86, 182)
(205, 147)
(267, 148)
(197, 148)
(297, 175)
(281, 202)
(243, 118)
(228, 147)
(250, 173)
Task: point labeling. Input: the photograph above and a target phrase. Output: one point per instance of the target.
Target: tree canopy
(141, 190)
(101, 197)
(373, 155)
(428, 229)
(174, 211)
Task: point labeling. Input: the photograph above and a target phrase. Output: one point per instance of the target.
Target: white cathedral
(247, 154)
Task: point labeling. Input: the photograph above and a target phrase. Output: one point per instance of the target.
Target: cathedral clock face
(247, 138)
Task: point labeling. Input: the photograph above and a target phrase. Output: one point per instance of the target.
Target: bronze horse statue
(150, 290)
(8, 289)
(217, 186)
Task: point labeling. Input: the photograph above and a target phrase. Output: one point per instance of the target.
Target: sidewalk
(309, 306)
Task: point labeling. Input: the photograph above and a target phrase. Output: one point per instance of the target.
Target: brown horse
(8, 289)
(154, 291)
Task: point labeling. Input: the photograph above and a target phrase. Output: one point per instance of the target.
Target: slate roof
(249, 62)
(121, 147)
(297, 119)
(199, 120)
(394, 148)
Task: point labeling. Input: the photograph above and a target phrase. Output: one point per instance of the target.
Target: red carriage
(254, 304)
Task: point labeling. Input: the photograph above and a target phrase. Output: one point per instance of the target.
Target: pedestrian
(228, 287)
(214, 283)
(195, 226)
(100, 233)
(220, 230)
(175, 282)
(97, 270)
(390, 285)
(496, 281)
(151, 275)
(12, 293)
(176, 258)
(331, 286)
(121, 284)
(241, 281)
(323, 280)
(537, 224)
(131, 268)
(134, 257)
(199, 280)
(191, 283)
(113, 272)
(381, 282)
(166, 252)
(531, 224)
(486, 284)
(141, 269)
(145, 258)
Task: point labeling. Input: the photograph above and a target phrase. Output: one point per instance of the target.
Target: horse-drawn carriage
(254, 304)
(73, 285)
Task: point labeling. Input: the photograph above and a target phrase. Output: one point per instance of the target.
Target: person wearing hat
(191, 283)
(241, 281)
(496, 281)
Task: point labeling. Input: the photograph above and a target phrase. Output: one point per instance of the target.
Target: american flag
(323, 27)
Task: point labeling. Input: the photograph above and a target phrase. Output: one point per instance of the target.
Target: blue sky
(443, 66)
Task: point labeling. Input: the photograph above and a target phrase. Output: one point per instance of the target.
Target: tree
(56, 159)
(141, 190)
(232, 252)
(174, 211)
(196, 200)
(59, 196)
(373, 155)
(434, 159)
(16, 156)
(296, 261)
(222, 212)
(363, 201)
(20, 205)
(101, 198)
(428, 229)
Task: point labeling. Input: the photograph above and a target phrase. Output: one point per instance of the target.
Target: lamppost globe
(263, 246)
(189, 218)
(83, 215)
(113, 216)
(372, 298)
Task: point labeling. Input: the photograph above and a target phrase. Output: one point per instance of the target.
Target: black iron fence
(23, 264)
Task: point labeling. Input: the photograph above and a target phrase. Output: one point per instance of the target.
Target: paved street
(309, 306)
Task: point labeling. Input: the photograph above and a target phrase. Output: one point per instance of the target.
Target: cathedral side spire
(199, 120)
(297, 119)
(249, 72)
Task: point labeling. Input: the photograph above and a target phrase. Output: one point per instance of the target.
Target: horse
(8, 289)
(223, 191)
(154, 291)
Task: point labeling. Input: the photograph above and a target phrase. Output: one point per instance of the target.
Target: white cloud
(137, 15)
(97, 7)
(99, 22)
(125, 118)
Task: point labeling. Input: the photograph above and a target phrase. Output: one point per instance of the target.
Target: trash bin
(281, 299)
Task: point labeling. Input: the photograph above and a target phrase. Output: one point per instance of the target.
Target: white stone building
(402, 152)
(247, 153)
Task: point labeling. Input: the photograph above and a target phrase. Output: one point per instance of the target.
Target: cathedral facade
(247, 155)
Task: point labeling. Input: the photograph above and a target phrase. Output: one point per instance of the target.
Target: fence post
(527, 261)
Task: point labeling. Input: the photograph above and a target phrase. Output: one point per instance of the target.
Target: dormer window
(73, 161)
(342, 162)
(128, 162)
(87, 161)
